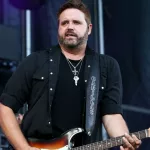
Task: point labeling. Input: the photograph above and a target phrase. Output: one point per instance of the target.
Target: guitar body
(62, 143)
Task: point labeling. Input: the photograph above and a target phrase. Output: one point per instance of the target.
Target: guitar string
(104, 144)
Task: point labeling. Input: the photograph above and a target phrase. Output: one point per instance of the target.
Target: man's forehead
(72, 14)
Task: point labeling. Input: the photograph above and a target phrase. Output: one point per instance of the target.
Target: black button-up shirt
(35, 81)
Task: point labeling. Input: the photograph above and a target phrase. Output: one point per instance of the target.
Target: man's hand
(130, 142)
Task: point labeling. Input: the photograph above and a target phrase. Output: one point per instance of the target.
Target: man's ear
(89, 29)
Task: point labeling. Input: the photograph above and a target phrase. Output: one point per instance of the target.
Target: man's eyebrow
(77, 20)
(72, 20)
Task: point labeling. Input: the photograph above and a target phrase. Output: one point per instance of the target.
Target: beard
(74, 41)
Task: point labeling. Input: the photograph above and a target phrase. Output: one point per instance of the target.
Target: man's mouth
(70, 35)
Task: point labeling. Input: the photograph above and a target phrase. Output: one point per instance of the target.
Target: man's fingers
(137, 141)
(131, 142)
(130, 139)
(127, 144)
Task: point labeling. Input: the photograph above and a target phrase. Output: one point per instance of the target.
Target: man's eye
(76, 22)
(64, 23)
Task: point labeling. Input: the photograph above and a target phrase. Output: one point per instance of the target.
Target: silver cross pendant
(76, 78)
(75, 71)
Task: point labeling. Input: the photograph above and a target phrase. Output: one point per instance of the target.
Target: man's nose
(70, 26)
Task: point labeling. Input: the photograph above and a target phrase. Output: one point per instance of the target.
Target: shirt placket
(53, 73)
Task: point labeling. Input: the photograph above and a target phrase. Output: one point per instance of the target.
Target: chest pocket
(41, 75)
(40, 81)
(39, 86)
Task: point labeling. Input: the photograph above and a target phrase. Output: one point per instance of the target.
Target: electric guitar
(64, 141)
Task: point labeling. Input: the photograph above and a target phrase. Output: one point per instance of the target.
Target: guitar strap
(92, 93)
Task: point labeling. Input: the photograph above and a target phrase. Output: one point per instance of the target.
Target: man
(53, 83)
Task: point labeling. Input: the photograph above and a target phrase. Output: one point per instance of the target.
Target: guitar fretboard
(102, 145)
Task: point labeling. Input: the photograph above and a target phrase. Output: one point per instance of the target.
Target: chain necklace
(74, 70)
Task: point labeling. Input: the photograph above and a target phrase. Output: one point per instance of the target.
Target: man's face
(73, 30)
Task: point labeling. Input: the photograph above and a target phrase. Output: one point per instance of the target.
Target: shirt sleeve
(112, 96)
(17, 89)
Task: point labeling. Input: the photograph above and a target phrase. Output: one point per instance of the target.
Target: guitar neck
(111, 142)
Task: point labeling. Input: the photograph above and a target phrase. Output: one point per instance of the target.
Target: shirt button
(51, 89)
(49, 122)
(89, 66)
(89, 133)
(51, 59)
(51, 73)
(42, 78)
(85, 80)
(102, 88)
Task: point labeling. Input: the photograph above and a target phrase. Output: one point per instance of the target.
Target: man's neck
(74, 54)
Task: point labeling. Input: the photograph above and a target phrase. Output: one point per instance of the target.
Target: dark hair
(77, 4)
